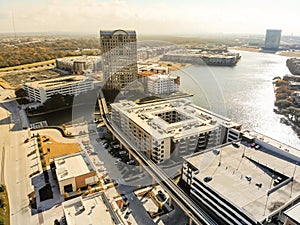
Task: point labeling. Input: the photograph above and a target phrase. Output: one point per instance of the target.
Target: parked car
(236, 145)
(130, 162)
(105, 145)
(207, 179)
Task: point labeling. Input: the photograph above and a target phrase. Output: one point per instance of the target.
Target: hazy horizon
(189, 18)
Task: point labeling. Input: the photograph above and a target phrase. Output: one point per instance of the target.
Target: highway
(196, 214)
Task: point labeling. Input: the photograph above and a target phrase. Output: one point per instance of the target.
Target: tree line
(14, 54)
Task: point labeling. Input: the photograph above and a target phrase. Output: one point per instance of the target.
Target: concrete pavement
(16, 171)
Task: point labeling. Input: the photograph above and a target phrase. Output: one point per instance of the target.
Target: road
(16, 169)
(193, 211)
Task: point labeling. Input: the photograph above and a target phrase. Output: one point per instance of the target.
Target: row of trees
(284, 102)
(22, 53)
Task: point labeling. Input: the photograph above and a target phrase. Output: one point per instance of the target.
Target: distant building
(74, 171)
(80, 64)
(119, 53)
(247, 182)
(40, 91)
(272, 40)
(155, 68)
(171, 129)
(191, 56)
(163, 84)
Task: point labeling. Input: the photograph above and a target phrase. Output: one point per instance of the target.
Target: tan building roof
(90, 210)
(72, 166)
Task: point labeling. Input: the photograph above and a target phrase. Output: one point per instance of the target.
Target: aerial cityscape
(158, 113)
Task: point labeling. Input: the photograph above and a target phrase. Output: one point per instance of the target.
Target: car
(129, 211)
(216, 151)
(105, 145)
(252, 145)
(118, 161)
(130, 162)
(207, 179)
(257, 147)
(122, 152)
(236, 145)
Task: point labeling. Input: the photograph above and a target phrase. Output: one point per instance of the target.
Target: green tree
(282, 104)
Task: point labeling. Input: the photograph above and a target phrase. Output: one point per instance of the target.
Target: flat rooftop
(72, 166)
(229, 179)
(275, 143)
(294, 213)
(83, 58)
(57, 82)
(158, 77)
(193, 119)
(86, 211)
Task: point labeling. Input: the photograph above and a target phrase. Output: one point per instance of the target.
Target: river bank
(243, 93)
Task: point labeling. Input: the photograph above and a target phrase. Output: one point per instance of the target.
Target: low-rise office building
(74, 171)
(249, 182)
(40, 91)
(170, 129)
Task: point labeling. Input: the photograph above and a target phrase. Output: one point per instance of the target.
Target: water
(66, 116)
(243, 93)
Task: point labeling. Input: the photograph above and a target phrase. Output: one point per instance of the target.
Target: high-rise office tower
(272, 40)
(119, 54)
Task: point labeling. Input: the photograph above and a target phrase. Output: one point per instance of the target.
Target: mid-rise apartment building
(170, 129)
(162, 84)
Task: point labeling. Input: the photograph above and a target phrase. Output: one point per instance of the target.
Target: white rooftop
(158, 77)
(229, 179)
(194, 119)
(57, 82)
(72, 165)
(88, 211)
(294, 213)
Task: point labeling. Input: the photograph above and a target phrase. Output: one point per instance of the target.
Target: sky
(173, 17)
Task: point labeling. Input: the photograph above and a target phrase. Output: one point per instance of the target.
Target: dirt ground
(57, 148)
